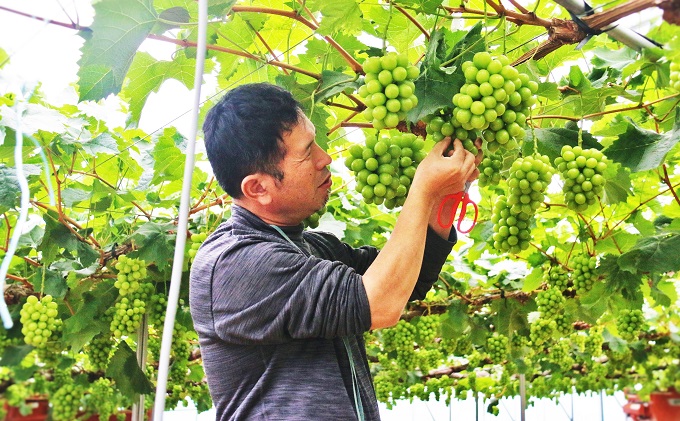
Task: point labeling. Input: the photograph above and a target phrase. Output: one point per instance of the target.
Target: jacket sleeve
(437, 251)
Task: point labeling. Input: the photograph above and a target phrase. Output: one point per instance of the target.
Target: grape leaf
(618, 186)
(656, 254)
(332, 83)
(338, 15)
(550, 141)
(49, 282)
(125, 371)
(9, 188)
(619, 280)
(88, 321)
(118, 29)
(156, 243)
(171, 18)
(13, 355)
(640, 149)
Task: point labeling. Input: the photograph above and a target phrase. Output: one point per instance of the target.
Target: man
(280, 312)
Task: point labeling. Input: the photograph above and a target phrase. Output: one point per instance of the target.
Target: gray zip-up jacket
(271, 316)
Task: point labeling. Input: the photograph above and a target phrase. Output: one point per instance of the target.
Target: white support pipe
(183, 219)
(619, 33)
(142, 349)
(23, 214)
(522, 396)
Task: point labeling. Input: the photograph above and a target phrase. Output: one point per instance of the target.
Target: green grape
(495, 99)
(384, 168)
(428, 359)
(512, 214)
(497, 347)
(582, 170)
(490, 170)
(98, 351)
(130, 273)
(401, 338)
(39, 320)
(129, 311)
(556, 276)
(630, 323)
(560, 354)
(388, 89)
(196, 240)
(550, 303)
(675, 74)
(541, 332)
(312, 221)
(564, 324)
(594, 341)
(66, 402)
(156, 308)
(428, 328)
(584, 275)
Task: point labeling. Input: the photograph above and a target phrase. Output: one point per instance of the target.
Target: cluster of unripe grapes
(312, 221)
(675, 74)
(400, 339)
(550, 302)
(582, 171)
(428, 327)
(129, 311)
(556, 277)
(384, 168)
(495, 100)
(541, 332)
(630, 323)
(130, 273)
(66, 402)
(490, 170)
(442, 124)
(39, 320)
(388, 90)
(196, 240)
(497, 347)
(98, 351)
(528, 180)
(583, 275)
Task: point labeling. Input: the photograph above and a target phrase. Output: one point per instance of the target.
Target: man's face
(306, 178)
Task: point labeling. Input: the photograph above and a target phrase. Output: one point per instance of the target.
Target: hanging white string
(183, 220)
(23, 214)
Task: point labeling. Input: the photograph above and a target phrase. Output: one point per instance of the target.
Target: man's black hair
(244, 133)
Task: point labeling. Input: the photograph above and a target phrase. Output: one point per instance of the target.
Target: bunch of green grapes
(428, 359)
(675, 74)
(497, 347)
(583, 275)
(39, 320)
(564, 324)
(556, 276)
(130, 273)
(401, 338)
(428, 328)
(594, 341)
(66, 402)
(312, 221)
(156, 307)
(16, 394)
(582, 171)
(490, 170)
(560, 354)
(550, 303)
(496, 99)
(129, 311)
(443, 124)
(98, 351)
(388, 90)
(384, 168)
(630, 323)
(528, 180)
(541, 332)
(196, 240)
(103, 398)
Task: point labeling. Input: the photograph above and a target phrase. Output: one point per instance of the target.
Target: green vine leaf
(88, 320)
(171, 18)
(156, 243)
(656, 254)
(338, 15)
(640, 149)
(119, 28)
(125, 371)
(9, 188)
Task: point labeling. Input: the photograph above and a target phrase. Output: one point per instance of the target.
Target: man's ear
(256, 187)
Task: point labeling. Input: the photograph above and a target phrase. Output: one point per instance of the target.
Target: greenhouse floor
(580, 408)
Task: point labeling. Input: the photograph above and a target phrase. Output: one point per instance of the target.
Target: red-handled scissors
(460, 199)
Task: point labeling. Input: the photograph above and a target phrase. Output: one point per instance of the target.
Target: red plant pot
(665, 406)
(40, 407)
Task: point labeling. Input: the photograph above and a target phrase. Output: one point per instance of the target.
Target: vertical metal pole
(142, 349)
(522, 396)
(602, 404)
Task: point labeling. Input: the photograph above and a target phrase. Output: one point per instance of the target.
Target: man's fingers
(441, 146)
